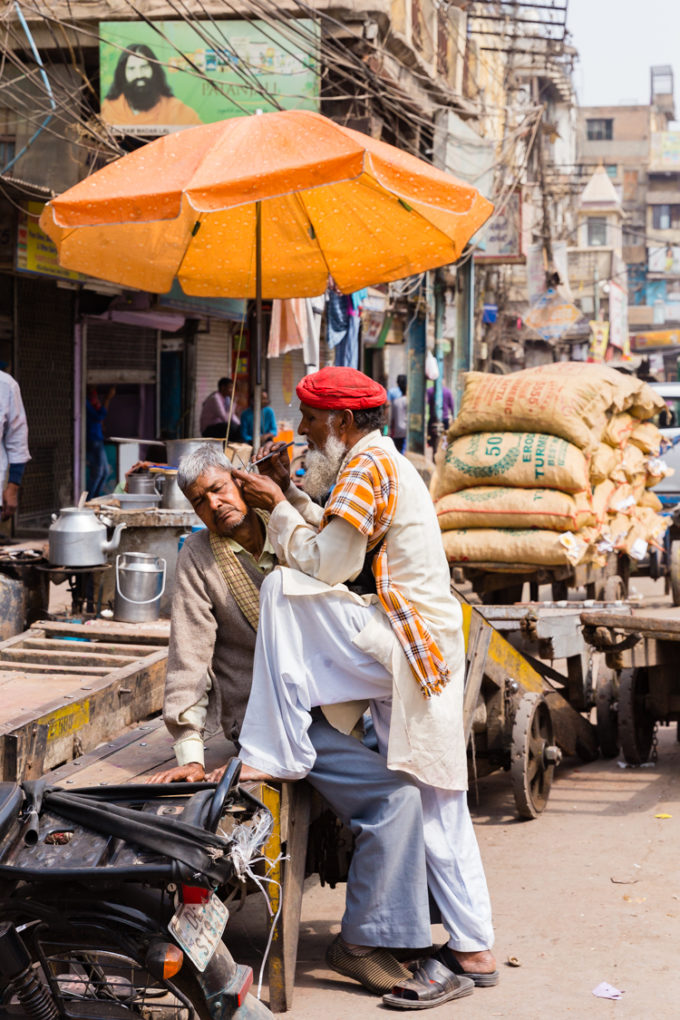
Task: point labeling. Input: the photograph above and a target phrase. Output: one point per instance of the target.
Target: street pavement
(587, 893)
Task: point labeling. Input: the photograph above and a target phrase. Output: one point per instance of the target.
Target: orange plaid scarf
(365, 495)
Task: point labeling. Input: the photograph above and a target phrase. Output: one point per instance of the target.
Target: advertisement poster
(551, 316)
(599, 341)
(502, 238)
(618, 318)
(161, 77)
(35, 251)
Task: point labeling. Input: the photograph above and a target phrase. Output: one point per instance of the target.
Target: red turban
(334, 389)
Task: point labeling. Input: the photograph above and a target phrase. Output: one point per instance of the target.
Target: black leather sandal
(431, 985)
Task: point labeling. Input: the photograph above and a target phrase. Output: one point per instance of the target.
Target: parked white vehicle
(668, 421)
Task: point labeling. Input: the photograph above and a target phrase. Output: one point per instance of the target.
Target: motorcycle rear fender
(220, 981)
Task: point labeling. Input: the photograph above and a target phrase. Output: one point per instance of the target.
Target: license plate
(198, 928)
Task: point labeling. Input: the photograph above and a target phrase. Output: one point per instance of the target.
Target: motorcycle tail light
(164, 959)
(195, 894)
(245, 986)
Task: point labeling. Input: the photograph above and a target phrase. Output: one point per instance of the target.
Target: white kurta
(13, 427)
(426, 734)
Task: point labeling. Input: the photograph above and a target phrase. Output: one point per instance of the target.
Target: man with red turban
(362, 614)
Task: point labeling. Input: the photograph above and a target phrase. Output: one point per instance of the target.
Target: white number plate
(198, 928)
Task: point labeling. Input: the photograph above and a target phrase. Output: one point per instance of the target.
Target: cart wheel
(636, 724)
(613, 590)
(674, 572)
(607, 718)
(533, 755)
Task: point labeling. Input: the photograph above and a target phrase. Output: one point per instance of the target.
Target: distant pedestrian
(14, 453)
(447, 414)
(399, 415)
(97, 461)
(217, 414)
(268, 427)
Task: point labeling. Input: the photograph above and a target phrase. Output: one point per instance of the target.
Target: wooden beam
(58, 658)
(132, 633)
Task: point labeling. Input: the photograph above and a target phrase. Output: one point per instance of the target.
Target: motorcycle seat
(11, 800)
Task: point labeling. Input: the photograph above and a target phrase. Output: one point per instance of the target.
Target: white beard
(322, 467)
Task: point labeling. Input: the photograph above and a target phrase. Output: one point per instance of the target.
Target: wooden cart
(512, 720)
(641, 685)
(502, 583)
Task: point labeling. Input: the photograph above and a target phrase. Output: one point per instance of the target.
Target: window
(611, 169)
(600, 129)
(666, 217)
(597, 231)
(633, 236)
(7, 150)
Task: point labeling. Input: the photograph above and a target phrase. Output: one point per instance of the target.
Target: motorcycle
(109, 902)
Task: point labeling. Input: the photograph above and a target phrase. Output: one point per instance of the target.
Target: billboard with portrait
(163, 76)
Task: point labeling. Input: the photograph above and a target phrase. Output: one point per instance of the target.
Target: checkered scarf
(365, 495)
(246, 593)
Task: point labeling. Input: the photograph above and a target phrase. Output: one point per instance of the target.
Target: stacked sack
(623, 470)
(514, 483)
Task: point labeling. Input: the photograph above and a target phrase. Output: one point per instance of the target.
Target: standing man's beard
(142, 94)
(322, 466)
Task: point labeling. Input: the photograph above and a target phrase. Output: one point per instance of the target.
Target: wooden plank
(650, 626)
(478, 634)
(127, 651)
(38, 668)
(133, 633)
(59, 658)
(299, 797)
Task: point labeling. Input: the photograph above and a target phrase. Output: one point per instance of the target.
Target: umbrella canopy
(330, 201)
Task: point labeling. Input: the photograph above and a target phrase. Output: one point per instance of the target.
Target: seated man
(363, 612)
(210, 661)
(267, 421)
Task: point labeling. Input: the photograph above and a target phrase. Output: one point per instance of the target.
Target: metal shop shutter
(117, 353)
(213, 361)
(45, 374)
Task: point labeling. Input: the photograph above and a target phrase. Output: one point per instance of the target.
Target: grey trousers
(387, 899)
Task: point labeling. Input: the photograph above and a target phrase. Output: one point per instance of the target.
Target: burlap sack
(573, 407)
(602, 494)
(618, 429)
(625, 392)
(651, 500)
(604, 462)
(633, 461)
(495, 506)
(647, 436)
(657, 469)
(526, 460)
(510, 545)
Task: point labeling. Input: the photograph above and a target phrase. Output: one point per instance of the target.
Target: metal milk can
(140, 583)
(77, 538)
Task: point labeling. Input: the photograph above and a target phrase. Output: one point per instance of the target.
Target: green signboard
(164, 76)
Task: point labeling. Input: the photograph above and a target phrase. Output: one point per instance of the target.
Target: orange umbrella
(333, 201)
(263, 206)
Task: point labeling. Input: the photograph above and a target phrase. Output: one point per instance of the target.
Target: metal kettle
(77, 538)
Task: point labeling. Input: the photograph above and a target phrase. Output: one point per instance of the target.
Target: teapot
(77, 538)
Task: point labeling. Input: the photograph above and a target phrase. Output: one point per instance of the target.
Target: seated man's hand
(258, 490)
(191, 773)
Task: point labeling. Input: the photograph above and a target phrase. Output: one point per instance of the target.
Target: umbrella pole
(257, 395)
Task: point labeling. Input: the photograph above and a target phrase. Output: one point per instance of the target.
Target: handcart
(502, 583)
(512, 720)
(641, 685)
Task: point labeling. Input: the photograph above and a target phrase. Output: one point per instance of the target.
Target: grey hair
(192, 465)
